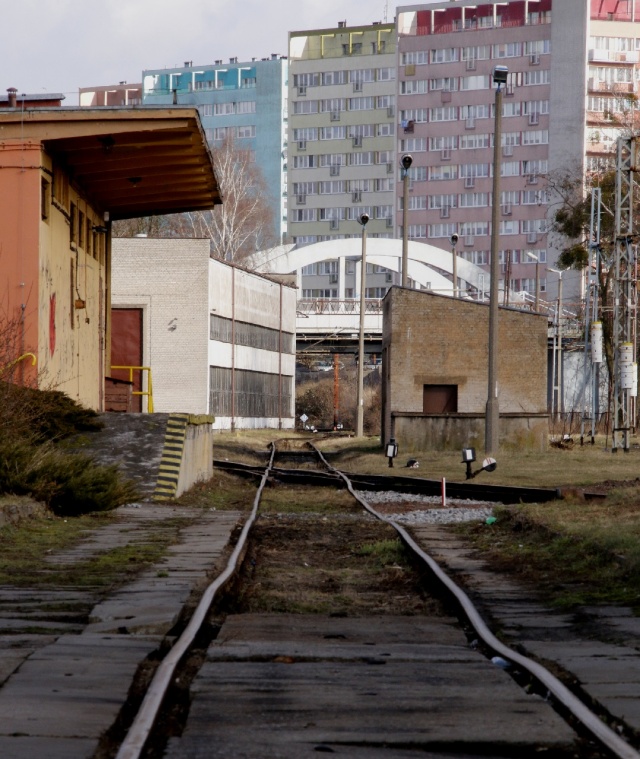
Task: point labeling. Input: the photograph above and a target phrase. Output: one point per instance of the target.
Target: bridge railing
(335, 306)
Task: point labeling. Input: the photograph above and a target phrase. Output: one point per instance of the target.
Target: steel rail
(560, 692)
(138, 733)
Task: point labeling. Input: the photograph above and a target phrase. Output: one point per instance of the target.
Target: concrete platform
(60, 693)
(290, 686)
(604, 661)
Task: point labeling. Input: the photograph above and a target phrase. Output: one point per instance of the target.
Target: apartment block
(342, 123)
(246, 100)
(572, 69)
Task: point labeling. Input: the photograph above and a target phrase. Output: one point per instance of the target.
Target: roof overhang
(130, 162)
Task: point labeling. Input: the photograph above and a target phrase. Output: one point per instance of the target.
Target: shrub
(70, 484)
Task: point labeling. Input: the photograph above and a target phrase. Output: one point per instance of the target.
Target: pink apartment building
(572, 65)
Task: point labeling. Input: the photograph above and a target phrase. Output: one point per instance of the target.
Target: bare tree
(240, 226)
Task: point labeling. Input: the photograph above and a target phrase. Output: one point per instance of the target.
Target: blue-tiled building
(245, 99)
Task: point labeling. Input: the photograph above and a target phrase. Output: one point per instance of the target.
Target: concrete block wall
(169, 280)
(434, 339)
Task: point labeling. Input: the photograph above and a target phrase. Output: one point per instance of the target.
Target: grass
(25, 548)
(574, 551)
(575, 467)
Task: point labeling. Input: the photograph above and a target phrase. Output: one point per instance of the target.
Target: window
(223, 109)
(507, 50)
(245, 132)
(385, 101)
(333, 133)
(304, 161)
(305, 106)
(320, 293)
(206, 109)
(539, 76)
(417, 57)
(441, 230)
(383, 185)
(446, 171)
(385, 130)
(385, 74)
(417, 231)
(73, 226)
(539, 47)
(418, 202)
(449, 83)
(535, 167)
(332, 187)
(417, 115)
(361, 158)
(441, 201)
(510, 198)
(474, 170)
(375, 292)
(474, 200)
(478, 257)
(473, 141)
(361, 130)
(45, 198)
(332, 105)
(535, 137)
(535, 106)
(306, 80)
(60, 188)
(508, 227)
(305, 188)
(445, 113)
(303, 214)
(414, 86)
(418, 173)
(510, 169)
(333, 159)
(444, 55)
(81, 229)
(476, 53)
(330, 214)
(361, 104)
(307, 134)
(246, 106)
(475, 82)
(442, 143)
(413, 145)
(362, 75)
(533, 226)
(474, 228)
(474, 112)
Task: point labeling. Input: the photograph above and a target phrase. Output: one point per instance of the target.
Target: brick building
(434, 391)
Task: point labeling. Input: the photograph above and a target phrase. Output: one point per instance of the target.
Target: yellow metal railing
(149, 391)
(17, 361)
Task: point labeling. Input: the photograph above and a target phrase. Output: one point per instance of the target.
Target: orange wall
(58, 275)
(19, 218)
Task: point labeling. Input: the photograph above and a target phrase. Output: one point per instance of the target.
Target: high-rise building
(572, 66)
(342, 124)
(246, 100)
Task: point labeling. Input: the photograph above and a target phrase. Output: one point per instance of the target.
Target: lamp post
(363, 281)
(492, 416)
(454, 257)
(557, 389)
(537, 260)
(407, 160)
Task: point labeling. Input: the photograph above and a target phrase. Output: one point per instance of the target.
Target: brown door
(440, 399)
(126, 347)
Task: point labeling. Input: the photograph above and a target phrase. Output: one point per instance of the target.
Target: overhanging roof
(129, 161)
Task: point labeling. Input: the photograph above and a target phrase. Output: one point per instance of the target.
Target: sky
(62, 45)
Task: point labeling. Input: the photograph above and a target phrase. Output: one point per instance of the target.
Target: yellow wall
(71, 272)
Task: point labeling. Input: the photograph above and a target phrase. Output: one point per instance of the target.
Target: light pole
(557, 390)
(407, 160)
(363, 282)
(492, 416)
(454, 256)
(537, 260)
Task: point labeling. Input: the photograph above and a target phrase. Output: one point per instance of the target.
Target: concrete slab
(367, 683)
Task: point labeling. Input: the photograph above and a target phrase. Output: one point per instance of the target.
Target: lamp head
(407, 160)
(454, 239)
(364, 219)
(500, 74)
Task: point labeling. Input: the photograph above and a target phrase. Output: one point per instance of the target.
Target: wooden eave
(130, 162)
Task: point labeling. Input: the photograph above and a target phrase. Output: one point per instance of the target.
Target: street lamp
(363, 282)
(557, 381)
(537, 260)
(492, 416)
(407, 160)
(454, 256)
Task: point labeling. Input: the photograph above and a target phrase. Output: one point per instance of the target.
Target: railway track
(593, 738)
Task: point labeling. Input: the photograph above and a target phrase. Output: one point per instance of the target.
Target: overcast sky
(61, 45)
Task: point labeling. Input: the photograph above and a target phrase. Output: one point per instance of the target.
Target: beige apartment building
(342, 152)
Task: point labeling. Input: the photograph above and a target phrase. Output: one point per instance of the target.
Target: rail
(140, 731)
(149, 391)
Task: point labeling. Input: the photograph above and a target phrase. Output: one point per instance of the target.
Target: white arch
(425, 262)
